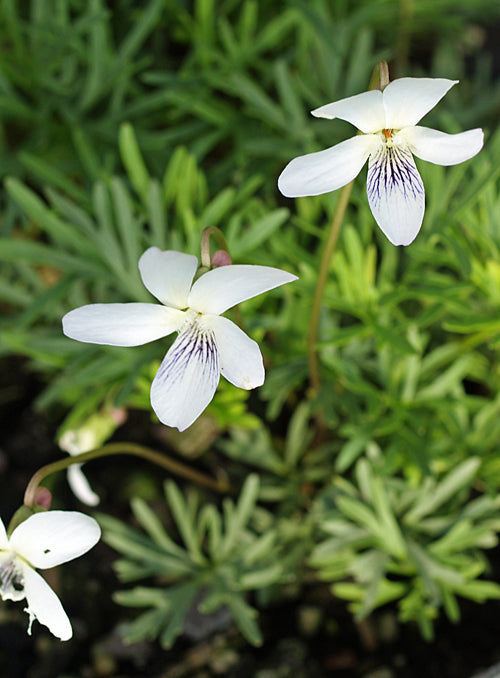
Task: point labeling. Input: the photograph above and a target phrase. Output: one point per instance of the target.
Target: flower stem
(380, 77)
(123, 448)
(330, 244)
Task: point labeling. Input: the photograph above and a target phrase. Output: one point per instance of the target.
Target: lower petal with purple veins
(396, 193)
(188, 377)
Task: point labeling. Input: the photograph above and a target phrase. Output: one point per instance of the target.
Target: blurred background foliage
(129, 124)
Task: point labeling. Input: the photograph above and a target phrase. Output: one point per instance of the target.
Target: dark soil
(309, 635)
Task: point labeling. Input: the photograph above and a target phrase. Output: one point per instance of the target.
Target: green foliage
(141, 125)
(91, 252)
(221, 557)
(417, 544)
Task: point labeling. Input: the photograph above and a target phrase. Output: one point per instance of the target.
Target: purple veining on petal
(193, 343)
(12, 581)
(392, 168)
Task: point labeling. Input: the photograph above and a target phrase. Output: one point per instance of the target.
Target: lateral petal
(328, 170)
(240, 357)
(224, 287)
(396, 193)
(168, 275)
(441, 148)
(188, 377)
(130, 324)
(44, 605)
(407, 100)
(54, 537)
(365, 111)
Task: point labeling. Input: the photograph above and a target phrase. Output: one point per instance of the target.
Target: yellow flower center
(388, 137)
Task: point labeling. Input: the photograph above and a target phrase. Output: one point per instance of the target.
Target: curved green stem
(123, 448)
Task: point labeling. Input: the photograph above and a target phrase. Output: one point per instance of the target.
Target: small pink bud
(118, 415)
(220, 258)
(43, 497)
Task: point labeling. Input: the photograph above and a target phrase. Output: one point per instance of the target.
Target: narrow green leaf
(133, 161)
(180, 513)
(458, 479)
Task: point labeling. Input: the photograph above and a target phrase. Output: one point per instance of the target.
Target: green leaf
(458, 479)
(133, 161)
(181, 514)
(245, 616)
(237, 519)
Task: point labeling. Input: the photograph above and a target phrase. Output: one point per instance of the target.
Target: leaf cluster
(386, 539)
(221, 557)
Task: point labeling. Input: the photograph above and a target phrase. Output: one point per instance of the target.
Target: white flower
(390, 135)
(42, 541)
(208, 345)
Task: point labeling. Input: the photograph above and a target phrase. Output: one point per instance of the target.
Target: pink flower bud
(118, 415)
(43, 497)
(220, 258)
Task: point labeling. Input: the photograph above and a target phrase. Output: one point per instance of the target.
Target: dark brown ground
(308, 636)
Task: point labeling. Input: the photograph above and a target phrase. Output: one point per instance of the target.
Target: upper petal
(44, 605)
(327, 170)
(54, 537)
(223, 287)
(407, 100)
(168, 275)
(188, 377)
(396, 193)
(121, 324)
(441, 148)
(240, 357)
(365, 111)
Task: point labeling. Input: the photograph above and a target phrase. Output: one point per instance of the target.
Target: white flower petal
(54, 537)
(407, 100)
(240, 357)
(365, 111)
(44, 605)
(327, 170)
(168, 275)
(80, 486)
(188, 377)
(4, 541)
(224, 287)
(130, 324)
(396, 193)
(441, 148)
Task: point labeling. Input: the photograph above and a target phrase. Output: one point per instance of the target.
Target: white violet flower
(43, 540)
(390, 137)
(207, 346)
